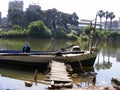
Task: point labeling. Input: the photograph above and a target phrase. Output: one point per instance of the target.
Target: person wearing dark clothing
(26, 48)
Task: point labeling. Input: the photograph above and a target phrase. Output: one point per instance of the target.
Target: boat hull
(86, 59)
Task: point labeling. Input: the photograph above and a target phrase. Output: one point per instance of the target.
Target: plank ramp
(58, 74)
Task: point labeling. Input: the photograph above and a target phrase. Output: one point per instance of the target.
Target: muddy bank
(94, 88)
(14, 84)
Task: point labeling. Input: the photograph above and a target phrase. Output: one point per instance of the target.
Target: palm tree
(111, 16)
(101, 14)
(106, 17)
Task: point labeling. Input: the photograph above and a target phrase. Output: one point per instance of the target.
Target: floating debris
(28, 83)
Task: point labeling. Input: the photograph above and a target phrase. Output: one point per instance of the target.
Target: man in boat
(26, 48)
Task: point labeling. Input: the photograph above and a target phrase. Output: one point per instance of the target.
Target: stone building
(115, 25)
(16, 5)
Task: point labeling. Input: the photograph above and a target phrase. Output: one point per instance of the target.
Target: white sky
(85, 9)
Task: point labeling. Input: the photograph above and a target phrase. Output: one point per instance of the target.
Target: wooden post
(81, 67)
(35, 76)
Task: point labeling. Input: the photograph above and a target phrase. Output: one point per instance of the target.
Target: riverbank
(15, 84)
(94, 88)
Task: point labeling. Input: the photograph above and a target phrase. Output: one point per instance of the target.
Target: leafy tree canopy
(17, 27)
(37, 28)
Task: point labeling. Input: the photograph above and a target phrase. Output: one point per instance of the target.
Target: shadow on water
(25, 67)
(27, 71)
(78, 69)
(23, 72)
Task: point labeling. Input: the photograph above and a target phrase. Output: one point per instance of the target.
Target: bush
(84, 37)
(72, 35)
(17, 27)
(38, 29)
(60, 34)
(114, 35)
(14, 33)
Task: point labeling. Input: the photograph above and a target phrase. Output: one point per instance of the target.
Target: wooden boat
(71, 54)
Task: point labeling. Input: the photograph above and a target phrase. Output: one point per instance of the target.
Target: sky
(85, 9)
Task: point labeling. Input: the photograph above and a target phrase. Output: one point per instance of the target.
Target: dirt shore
(93, 88)
(14, 84)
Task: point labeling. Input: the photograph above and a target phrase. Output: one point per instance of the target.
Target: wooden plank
(60, 80)
(52, 73)
(58, 72)
(58, 77)
(60, 68)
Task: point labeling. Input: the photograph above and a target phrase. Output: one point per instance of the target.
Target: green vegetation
(35, 29)
(17, 27)
(103, 34)
(61, 34)
(73, 35)
(38, 29)
(14, 33)
(52, 18)
(52, 23)
(41, 23)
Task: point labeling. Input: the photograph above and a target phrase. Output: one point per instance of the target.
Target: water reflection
(36, 44)
(104, 65)
(107, 62)
(103, 62)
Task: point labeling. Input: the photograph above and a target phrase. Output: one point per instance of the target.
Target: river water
(106, 66)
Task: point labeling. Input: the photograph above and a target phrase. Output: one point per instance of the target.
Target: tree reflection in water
(104, 64)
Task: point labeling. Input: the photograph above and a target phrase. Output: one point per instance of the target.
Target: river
(106, 66)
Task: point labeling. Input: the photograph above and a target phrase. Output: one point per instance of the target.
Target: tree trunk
(110, 25)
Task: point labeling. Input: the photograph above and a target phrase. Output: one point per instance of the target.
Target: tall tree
(101, 14)
(51, 17)
(16, 17)
(111, 16)
(73, 20)
(106, 18)
(33, 13)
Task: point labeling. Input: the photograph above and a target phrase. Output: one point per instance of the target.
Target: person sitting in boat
(26, 48)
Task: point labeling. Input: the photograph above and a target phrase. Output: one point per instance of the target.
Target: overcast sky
(85, 9)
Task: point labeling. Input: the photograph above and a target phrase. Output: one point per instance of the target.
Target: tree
(52, 18)
(38, 29)
(17, 27)
(33, 13)
(73, 20)
(16, 17)
(87, 30)
(106, 17)
(60, 34)
(111, 16)
(101, 14)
